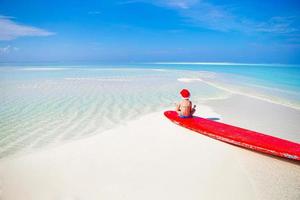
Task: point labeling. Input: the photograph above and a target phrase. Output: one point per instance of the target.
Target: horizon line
(147, 63)
(219, 63)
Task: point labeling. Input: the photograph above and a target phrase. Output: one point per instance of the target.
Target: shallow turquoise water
(46, 106)
(49, 105)
(275, 83)
(282, 76)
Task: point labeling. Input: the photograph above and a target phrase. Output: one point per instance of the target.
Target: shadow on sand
(213, 118)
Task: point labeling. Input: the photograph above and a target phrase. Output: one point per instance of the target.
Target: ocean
(49, 105)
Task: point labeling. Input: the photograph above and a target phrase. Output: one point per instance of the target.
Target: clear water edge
(42, 106)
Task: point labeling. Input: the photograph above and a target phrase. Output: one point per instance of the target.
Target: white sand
(258, 115)
(150, 158)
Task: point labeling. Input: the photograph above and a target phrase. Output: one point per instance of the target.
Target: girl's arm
(177, 107)
(192, 107)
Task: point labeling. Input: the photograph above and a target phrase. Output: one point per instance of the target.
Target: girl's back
(185, 108)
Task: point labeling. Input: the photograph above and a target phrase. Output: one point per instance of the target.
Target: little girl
(184, 108)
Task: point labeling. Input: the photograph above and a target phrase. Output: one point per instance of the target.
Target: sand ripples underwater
(44, 107)
(48, 106)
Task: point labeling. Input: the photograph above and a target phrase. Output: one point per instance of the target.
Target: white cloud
(221, 18)
(10, 30)
(277, 24)
(180, 4)
(7, 49)
(4, 50)
(94, 12)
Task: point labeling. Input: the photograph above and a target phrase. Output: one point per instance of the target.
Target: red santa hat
(185, 94)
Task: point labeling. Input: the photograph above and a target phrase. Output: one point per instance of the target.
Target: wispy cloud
(94, 12)
(183, 4)
(221, 18)
(124, 2)
(177, 4)
(10, 30)
(277, 25)
(7, 49)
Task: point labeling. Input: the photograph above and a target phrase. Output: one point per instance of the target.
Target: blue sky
(250, 31)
